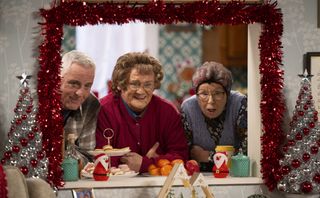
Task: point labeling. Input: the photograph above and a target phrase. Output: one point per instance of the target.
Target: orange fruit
(165, 170)
(152, 166)
(176, 161)
(162, 162)
(155, 172)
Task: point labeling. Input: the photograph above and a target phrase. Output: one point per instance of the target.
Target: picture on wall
(83, 193)
(313, 68)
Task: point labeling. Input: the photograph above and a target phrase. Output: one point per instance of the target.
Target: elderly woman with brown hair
(146, 123)
(216, 115)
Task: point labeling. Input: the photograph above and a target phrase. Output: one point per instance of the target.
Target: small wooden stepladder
(179, 172)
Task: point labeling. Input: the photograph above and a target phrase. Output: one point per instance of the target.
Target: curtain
(106, 43)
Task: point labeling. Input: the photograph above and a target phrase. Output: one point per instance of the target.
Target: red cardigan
(161, 122)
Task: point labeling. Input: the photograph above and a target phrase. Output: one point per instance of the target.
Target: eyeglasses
(217, 95)
(135, 85)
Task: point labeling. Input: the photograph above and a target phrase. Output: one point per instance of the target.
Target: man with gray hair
(79, 106)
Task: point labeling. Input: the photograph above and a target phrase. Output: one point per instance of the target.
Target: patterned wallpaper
(176, 47)
(19, 38)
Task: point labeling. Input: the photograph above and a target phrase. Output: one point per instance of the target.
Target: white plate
(88, 175)
(123, 176)
(110, 152)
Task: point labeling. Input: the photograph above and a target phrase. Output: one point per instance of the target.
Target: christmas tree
(300, 167)
(24, 147)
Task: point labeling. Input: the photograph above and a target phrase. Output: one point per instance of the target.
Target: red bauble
(295, 163)
(16, 149)
(301, 113)
(285, 170)
(24, 170)
(306, 187)
(33, 162)
(311, 124)
(314, 150)
(28, 110)
(24, 142)
(305, 88)
(306, 131)
(35, 129)
(298, 136)
(30, 136)
(291, 142)
(192, 166)
(316, 178)
(8, 154)
(306, 157)
(315, 118)
(18, 121)
(310, 97)
(24, 117)
(305, 107)
(40, 155)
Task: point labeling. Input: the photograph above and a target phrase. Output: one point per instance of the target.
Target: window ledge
(155, 181)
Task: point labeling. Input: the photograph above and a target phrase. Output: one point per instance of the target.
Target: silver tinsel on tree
(300, 167)
(24, 146)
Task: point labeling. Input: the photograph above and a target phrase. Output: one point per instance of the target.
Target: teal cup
(240, 166)
(70, 169)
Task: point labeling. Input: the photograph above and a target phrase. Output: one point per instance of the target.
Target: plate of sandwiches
(110, 151)
(122, 171)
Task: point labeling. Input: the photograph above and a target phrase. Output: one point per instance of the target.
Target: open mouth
(211, 110)
(139, 97)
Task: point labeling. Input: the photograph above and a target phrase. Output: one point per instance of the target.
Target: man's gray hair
(78, 57)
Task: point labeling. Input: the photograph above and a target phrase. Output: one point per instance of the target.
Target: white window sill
(145, 181)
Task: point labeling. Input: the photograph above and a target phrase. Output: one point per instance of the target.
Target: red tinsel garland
(205, 13)
(3, 183)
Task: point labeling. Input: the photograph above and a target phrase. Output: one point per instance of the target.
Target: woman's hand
(133, 160)
(152, 152)
(199, 154)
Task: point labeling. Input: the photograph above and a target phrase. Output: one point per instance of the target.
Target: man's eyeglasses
(135, 85)
(217, 95)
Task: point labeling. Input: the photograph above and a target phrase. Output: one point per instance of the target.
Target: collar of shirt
(67, 112)
(131, 112)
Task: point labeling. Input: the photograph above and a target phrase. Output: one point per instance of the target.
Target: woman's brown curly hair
(143, 62)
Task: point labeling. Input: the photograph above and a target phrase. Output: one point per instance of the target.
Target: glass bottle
(70, 162)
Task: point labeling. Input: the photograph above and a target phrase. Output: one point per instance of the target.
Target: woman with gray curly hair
(148, 124)
(216, 115)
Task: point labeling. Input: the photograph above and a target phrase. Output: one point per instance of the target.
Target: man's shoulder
(92, 100)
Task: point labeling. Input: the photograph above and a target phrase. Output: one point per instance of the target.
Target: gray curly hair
(212, 72)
